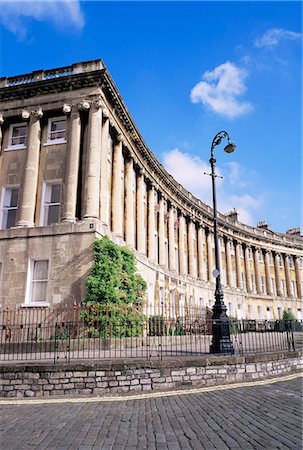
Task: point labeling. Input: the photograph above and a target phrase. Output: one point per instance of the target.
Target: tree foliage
(115, 292)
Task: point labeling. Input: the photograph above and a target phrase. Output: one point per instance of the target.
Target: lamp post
(221, 342)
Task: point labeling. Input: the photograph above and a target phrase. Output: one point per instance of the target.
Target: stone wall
(101, 378)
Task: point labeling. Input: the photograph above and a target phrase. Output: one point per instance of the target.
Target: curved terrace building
(73, 167)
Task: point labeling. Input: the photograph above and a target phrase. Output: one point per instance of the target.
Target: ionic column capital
(67, 109)
(84, 105)
(1, 119)
(38, 113)
(98, 103)
(120, 138)
(25, 114)
(105, 112)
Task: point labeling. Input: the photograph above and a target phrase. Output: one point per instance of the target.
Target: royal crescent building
(74, 167)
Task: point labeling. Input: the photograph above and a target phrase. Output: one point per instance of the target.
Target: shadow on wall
(74, 274)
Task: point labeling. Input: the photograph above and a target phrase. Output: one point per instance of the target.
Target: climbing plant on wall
(115, 292)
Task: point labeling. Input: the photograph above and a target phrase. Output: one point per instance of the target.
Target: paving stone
(268, 416)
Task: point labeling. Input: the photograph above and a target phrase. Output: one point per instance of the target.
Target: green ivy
(115, 292)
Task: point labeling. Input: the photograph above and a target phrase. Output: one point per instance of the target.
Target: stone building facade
(74, 167)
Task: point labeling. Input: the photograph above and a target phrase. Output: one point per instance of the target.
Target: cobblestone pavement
(267, 416)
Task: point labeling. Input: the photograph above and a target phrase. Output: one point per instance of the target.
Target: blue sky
(187, 70)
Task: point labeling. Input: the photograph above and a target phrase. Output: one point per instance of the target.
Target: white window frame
(176, 252)
(252, 282)
(44, 205)
(172, 305)
(283, 287)
(239, 313)
(260, 312)
(29, 283)
(250, 253)
(262, 282)
(273, 286)
(15, 186)
(10, 146)
(294, 288)
(59, 140)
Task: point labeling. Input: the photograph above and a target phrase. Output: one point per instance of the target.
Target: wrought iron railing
(114, 331)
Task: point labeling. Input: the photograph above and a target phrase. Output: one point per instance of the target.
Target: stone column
(129, 202)
(209, 256)
(298, 276)
(267, 273)
(200, 252)
(190, 240)
(93, 163)
(229, 278)
(30, 178)
(171, 237)
(117, 209)
(238, 265)
(161, 233)
(104, 194)
(287, 277)
(257, 270)
(182, 265)
(141, 234)
(247, 269)
(151, 223)
(278, 275)
(72, 167)
(1, 123)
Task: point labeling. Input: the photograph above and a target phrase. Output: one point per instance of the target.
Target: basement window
(37, 282)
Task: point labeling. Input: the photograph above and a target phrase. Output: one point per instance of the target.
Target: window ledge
(35, 305)
(46, 144)
(14, 147)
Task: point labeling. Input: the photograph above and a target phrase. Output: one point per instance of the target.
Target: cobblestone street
(265, 416)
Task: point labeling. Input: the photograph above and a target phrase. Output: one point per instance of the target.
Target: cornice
(54, 85)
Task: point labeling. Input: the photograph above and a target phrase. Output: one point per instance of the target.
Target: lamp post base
(221, 342)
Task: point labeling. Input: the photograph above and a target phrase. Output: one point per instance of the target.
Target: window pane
(40, 271)
(58, 125)
(39, 291)
(56, 192)
(57, 129)
(18, 135)
(53, 214)
(14, 197)
(11, 218)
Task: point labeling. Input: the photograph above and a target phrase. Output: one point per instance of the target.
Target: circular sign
(215, 273)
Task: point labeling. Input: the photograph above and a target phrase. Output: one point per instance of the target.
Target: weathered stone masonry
(101, 378)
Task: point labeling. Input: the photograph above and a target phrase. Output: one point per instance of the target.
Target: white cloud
(272, 37)
(63, 14)
(236, 174)
(189, 170)
(220, 89)
(245, 204)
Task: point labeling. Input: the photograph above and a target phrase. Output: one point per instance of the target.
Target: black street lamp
(221, 342)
